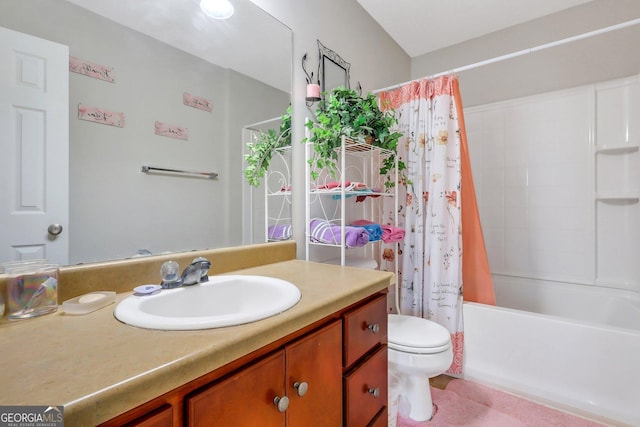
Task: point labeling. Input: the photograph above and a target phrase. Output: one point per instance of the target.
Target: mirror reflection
(183, 87)
(333, 70)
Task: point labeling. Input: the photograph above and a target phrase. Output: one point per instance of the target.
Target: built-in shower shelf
(623, 197)
(617, 149)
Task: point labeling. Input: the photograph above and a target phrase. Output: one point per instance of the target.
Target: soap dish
(88, 303)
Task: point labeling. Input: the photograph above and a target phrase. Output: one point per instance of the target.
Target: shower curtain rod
(520, 52)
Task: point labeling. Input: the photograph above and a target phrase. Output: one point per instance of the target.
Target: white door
(34, 148)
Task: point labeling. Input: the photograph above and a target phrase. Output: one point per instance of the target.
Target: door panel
(34, 142)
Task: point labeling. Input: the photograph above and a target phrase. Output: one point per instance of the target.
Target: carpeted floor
(464, 403)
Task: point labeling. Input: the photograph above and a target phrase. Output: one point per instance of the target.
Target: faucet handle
(170, 274)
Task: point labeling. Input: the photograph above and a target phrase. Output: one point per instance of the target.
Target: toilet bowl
(419, 349)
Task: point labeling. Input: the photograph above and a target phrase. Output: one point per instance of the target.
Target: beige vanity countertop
(98, 367)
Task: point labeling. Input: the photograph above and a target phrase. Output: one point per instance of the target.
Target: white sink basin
(222, 301)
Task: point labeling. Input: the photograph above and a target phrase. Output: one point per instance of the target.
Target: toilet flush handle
(375, 328)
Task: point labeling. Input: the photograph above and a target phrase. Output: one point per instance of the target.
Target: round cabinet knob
(375, 328)
(282, 403)
(54, 229)
(375, 392)
(301, 388)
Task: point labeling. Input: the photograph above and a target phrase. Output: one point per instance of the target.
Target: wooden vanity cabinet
(333, 373)
(365, 364)
(306, 372)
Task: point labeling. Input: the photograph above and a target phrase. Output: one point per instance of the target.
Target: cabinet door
(244, 399)
(314, 364)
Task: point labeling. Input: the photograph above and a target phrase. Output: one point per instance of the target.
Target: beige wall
(595, 59)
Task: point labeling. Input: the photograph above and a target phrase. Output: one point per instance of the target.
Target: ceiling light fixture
(217, 9)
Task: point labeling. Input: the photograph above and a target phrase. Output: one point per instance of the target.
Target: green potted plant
(345, 113)
(260, 152)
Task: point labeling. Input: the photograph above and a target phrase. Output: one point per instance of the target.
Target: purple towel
(280, 232)
(325, 232)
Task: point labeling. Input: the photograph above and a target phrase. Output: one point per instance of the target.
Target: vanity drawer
(364, 328)
(365, 390)
(161, 417)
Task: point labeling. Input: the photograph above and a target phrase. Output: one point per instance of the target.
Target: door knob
(282, 403)
(55, 229)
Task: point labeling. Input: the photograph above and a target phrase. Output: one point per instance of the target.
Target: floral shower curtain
(438, 182)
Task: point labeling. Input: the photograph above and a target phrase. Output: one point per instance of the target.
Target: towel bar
(210, 175)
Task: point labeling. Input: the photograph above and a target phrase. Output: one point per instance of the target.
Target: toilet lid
(417, 335)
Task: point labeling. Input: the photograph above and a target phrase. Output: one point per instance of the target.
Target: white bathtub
(582, 354)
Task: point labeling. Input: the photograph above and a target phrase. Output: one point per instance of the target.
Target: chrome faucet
(196, 272)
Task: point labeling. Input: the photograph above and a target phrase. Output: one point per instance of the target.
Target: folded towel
(361, 222)
(374, 231)
(360, 191)
(324, 232)
(280, 232)
(332, 185)
(375, 193)
(390, 234)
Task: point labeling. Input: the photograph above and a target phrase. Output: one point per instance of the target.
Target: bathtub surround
(558, 184)
(431, 263)
(594, 305)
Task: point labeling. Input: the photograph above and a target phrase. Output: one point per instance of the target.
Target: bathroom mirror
(333, 71)
(161, 52)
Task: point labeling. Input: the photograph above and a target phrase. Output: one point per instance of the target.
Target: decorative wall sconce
(313, 92)
(313, 88)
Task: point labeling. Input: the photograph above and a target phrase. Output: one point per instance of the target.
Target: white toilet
(419, 349)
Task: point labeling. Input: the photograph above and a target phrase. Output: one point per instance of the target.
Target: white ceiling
(422, 26)
(266, 56)
(418, 26)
